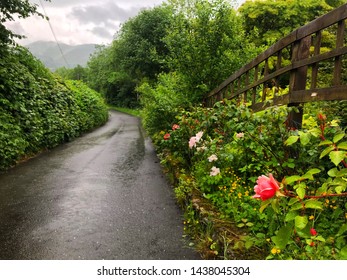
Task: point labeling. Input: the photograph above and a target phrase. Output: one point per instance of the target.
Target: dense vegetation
(38, 110)
(163, 61)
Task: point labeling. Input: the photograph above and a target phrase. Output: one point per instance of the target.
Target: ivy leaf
(291, 140)
(301, 222)
(314, 204)
(338, 137)
(337, 156)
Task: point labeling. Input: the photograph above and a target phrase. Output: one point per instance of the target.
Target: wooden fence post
(300, 51)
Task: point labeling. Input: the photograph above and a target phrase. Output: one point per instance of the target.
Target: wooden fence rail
(302, 67)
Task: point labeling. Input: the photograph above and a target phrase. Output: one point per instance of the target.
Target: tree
(206, 43)
(267, 21)
(138, 53)
(9, 8)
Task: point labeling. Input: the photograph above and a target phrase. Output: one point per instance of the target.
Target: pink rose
(198, 136)
(212, 158)
(266, 187)
(240, 135)
(214, 171)
(192, 142)
(175, 126)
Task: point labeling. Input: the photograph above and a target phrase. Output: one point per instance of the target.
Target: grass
(133, 112)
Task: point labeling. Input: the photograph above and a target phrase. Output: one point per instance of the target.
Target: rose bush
(225, 154)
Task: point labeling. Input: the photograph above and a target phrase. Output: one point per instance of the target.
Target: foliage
(265, 22)
(161, 102)
(9, 8)
(76, 73)
(206, 43)
(38, 111)
(137, 53)
(306, 219)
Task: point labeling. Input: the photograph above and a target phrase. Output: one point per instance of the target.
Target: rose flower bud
(266, 187)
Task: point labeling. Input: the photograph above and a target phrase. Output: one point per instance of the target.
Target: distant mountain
(51, 57)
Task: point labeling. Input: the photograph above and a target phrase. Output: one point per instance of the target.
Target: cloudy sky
(79, 21)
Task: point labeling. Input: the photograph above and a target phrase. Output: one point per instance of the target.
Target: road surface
(102, 196)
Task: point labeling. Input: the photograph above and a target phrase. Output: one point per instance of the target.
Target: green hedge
(40, 111)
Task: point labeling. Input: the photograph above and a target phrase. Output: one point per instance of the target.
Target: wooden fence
(302, 67)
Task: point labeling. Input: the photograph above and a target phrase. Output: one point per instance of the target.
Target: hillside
(50, 55)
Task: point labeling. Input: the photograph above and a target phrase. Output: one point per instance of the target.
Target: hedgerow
(40, 111)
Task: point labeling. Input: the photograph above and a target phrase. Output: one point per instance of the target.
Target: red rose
(266, 187)
(167, 136)
(313, 232)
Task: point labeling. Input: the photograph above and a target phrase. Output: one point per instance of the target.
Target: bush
(38, 111)
(161, 102)
(227, 150)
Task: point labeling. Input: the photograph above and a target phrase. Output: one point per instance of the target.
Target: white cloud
(78, 21)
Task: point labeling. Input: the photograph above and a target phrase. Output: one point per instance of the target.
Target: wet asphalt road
(102, 196)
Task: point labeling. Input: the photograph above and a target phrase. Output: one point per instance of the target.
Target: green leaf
(283, 236)
(291, 140)
(264, 204)
(301, 191)
(297, 206)
(292, 201)
(301, 222)
(342, 173)
(333, 172)
(343, 253)
(314, 171)
(342, 146)
(304, 138)
(325, 142)
(342, 230)
(314, 204)
(338, 137)
(291, 216)
(275, 205)
(326, 151)
(289, 180)
(248, 243)
(320, 238)
(309, 174)
(339, 189)
(337, 156)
